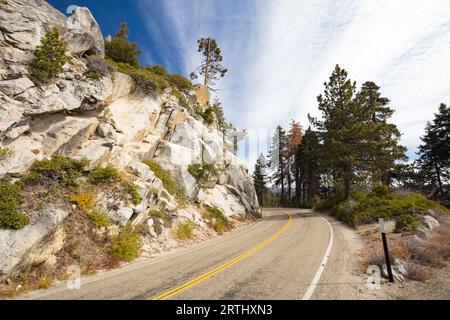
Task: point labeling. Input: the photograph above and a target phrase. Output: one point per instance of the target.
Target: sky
(280, 52)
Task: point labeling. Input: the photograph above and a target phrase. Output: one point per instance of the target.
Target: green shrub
(184, 230)
(98, 218)
(157, 214)
(120, 50)
(221, 221)
(5, 153)
(203, 173)
(106, 175)
(10, 200)
(126, 245)
(84, 200)
(304, 204)
(167, 180)
(157, 69)
(50, 56)
(132, 190)
(180, 82)
(97, 67)
(181, 98)
(208, 115)
(331, 202)
(56, 170)
(94, 75)
(405, 209)
(407, 223)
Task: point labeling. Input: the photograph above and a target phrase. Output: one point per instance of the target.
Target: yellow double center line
(190, 284)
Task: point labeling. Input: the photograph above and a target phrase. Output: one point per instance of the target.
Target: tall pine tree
(379, 140)
(338, 126)
(260, 179)
(278, 162)
(435, 151)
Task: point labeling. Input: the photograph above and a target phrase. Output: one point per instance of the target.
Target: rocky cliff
(108, 123)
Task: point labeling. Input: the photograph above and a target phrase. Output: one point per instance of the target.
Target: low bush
(45, 282)
(363, 208)
(103, 176)
(208, 114)
(157, 214)
(167, 181)
(126, 245)
(203, 173)
(184, 230)
(132, 190)
(157, 69)
(97, 67)
(85, 201)
(5, 153)
(10, 200)
(180, 82)
(418, 272)
(181, 98)
(330, 202)
(58, 170)
(304, 204)
(98, 218)
(220, 220)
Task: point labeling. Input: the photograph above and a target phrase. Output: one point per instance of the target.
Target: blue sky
(280, 52)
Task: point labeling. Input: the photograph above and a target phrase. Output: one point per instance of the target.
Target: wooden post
(386, 251)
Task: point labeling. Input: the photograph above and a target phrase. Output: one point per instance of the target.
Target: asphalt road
(280, 257)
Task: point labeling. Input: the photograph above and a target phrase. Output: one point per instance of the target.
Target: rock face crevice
(107, 122)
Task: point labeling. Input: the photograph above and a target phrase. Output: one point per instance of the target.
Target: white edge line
(312, 287)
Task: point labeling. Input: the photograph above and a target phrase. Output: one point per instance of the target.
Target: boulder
(15, 243)
(107, 131)
(83, 34)
(399, 270)
(430, 222)
(122, 215)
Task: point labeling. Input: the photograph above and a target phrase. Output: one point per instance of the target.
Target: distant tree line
(352, 146)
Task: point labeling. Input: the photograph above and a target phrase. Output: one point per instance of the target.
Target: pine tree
(435, 151)
(308, 163)
(50, 56)
(210, 69)
(294, 141)
(120, 50)
(337, 128)
(277, 161)
(379, 140)
(260, 179)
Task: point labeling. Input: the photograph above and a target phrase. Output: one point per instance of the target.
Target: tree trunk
(347, 182)
(282, 182)
(438, 174)
(297, 185)
(207, 62)
(289, 180)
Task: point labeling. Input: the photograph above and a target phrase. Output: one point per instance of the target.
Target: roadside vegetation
(169, 184)
(92, 240)
(217, 219)
(184, 230)
(203, 173)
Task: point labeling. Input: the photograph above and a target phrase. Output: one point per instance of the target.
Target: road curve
(275, 258)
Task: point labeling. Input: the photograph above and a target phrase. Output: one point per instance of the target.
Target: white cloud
(280, 52)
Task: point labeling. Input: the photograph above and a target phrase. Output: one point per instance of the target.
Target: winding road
(290, 254)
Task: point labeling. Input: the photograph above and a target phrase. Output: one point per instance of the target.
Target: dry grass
(418, 272)
(421, 256)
